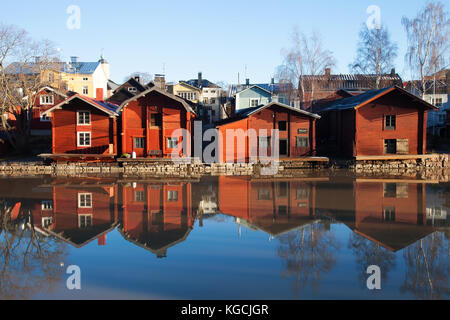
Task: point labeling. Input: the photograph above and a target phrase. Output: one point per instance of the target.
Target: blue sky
(218, 38)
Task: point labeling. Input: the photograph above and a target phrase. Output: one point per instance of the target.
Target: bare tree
(23, 64)
(144, 77)
(375, 53)
(303, 62)
(428, 43)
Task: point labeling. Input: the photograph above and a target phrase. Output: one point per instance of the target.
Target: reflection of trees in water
(308, 254)
(427, 267)
(369, 253)
(29, 261)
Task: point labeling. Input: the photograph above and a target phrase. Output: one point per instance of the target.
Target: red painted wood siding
(65, 130)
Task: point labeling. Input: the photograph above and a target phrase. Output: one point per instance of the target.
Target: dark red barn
(389, 121)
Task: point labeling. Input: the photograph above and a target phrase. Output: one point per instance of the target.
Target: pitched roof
(185, 104)
(247, 112)
(107, 107)
(369, 96)
(253, 87)
(72, 67)
(205, 83)
(273, 88)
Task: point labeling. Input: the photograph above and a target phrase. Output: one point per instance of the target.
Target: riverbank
(435, 167)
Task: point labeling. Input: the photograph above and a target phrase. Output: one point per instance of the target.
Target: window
(84, 220)
(282, 125)
(301, 194)
(139, 143)
(264, 142)
(84, 139)
(47, 99)
(172, 143)
(390, 122)
(390, 146)
(389, 214)
(85, 200)
(212, 101)
(132, 89)
(47, 205)
(172, 195)
(155, 120)
(85, 79)
(390, 190)
(213, 91)
(47, 222)
(139, 196)
(254, 102)
(51, 77)
(85, 90)
(264, 194)
(84, 118)
(437, 102)
(302, 142)
(45, 118)
(205, 100)
(282, 189)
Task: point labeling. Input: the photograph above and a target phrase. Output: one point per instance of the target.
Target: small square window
(302, 142)
(389, 214)
(84, 221)
(84, 139)
(264, 194)
(85, 90)
(254, 102)
(390, 122)
(139, 143)
(155, 120)
(47, 99)
(172, 195)
(282, 125)
(47, 205)
(83, 118)
(139, 196)
(172, 143)
(85, 200)
(47, 222)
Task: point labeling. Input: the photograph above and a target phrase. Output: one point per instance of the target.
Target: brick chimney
(200, 80)
(393, 72)
(327, 71)
(247, 82)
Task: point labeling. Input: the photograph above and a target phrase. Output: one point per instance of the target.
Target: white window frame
(169, 142)
(78, 118)
(85, 90)
(132, 89)
(253, 100)
(47, 205)
(47, 99)
(45, 118)
(85, 206)
(171, 195)
(44, 220)
(84, 216)
(78, 138)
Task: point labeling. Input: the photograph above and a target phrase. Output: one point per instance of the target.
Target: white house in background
(211, 106)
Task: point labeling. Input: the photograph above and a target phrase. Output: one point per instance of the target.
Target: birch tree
(303, 62)
(428, 43)
(375, 54)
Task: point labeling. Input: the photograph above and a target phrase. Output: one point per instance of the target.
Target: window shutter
(402, 146)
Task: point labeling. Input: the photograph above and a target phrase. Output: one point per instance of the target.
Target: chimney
(200, 80)
(73, 59)
(160, 81)
(137, 78)
(272, 81)
(247, 82)
(327, 71)
(37, 59)
(393, 72)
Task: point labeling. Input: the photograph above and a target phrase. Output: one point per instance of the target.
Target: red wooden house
(45, 99)
(84, 128)
(78, 214)
(296, 132)
(157, 216)
(275, 207)
(378, 122)
(149, 120)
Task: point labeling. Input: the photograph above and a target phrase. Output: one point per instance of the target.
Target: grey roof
(355, 101)
(205, 83)
(72, 67)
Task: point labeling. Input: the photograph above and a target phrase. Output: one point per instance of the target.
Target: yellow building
(186, 91)
(86, 78)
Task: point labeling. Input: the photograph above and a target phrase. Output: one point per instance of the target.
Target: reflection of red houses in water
(157, 216)
(78, 213)
(390, 212)
(274, 206)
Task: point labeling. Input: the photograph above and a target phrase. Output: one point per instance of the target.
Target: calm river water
(223, 238)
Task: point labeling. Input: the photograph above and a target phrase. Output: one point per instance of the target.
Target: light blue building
(252, 97)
